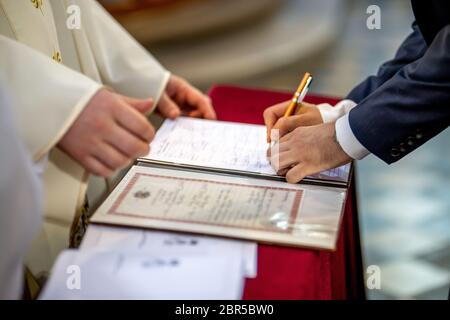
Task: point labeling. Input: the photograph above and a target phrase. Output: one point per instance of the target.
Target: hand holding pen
(288, 115)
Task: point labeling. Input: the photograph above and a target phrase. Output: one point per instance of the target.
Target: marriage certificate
(245, 208)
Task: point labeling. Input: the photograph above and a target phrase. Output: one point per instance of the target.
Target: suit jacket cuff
(347, 140)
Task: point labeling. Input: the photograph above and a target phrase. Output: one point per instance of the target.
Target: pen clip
(304, 91)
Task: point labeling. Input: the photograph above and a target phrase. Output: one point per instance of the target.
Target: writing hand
(308, 115)
(306, 151)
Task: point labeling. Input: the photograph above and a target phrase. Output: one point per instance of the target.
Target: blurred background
(404, 208)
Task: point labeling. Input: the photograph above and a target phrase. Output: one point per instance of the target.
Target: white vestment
(21, 201)
(53, 71)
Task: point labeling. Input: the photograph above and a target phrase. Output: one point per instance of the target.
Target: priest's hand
(109, 133)
(308, 115)
(306, 151)
(180, 98)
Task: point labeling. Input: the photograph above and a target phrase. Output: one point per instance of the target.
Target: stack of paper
(119, 263)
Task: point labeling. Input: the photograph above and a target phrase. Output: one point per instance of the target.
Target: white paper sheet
(219, 144)
(92, 274)
(105, 238)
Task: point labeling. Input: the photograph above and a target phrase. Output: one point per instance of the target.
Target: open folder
(224, 147)
(212, 177)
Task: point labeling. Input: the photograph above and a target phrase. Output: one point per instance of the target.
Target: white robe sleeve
(123, 63)
(33, 79)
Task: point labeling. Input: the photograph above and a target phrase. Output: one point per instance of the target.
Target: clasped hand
(113, 129)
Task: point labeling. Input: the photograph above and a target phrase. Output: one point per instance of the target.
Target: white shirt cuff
(331, 114)
(347, 140)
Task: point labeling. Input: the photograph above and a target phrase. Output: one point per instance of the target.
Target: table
(292, 273)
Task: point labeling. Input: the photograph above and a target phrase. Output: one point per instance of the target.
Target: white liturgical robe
(21, 201)
(53, 71)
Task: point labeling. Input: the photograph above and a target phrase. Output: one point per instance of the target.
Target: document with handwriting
(228, 206)
(221, 145)
(107, 238)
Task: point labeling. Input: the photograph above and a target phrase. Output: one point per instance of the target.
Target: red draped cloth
(291, 273)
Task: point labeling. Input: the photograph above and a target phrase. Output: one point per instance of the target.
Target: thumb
(168, 108)
(287, 124)
(143, 106)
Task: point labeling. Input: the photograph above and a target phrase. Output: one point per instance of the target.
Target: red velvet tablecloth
(290, 273)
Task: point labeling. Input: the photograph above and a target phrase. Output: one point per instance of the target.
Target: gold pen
(299, 95)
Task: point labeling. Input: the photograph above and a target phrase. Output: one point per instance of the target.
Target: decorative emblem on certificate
(141, 194)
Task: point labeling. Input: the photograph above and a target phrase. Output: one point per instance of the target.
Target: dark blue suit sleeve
(410, 50)
(410, 108)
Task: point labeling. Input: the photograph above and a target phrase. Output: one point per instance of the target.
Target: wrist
(342, 156)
